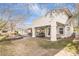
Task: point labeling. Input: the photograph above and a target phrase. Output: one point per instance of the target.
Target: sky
(32, 11)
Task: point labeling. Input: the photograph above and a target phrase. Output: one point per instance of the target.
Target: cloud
(59, 5)
(35, 8)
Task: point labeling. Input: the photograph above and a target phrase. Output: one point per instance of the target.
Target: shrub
(73, 47)
(16, 33)
(3, 38)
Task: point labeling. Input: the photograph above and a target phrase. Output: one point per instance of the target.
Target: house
(55, 24)
(74, 20)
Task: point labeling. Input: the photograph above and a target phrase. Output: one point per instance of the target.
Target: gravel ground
(25, 47)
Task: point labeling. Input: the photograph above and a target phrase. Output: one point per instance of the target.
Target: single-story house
(54, 24)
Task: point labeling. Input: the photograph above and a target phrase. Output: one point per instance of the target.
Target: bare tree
(11, 20)
(77, 7)
(2, 24)
(6, 15)
(18, 19)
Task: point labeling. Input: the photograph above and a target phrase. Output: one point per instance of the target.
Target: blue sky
(32, 11)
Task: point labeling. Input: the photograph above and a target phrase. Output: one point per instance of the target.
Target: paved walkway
(64, 52)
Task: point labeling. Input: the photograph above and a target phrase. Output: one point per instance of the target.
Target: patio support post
(33, 32)
(45, 32)
(53, 31)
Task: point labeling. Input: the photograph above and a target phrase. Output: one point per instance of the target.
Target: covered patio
(53, 31)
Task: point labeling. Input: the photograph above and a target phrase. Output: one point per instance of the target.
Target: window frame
(61, 30)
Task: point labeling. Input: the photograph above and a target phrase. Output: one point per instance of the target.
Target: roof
(66, 10)
(59, 10)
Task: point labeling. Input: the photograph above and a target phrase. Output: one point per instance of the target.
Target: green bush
(72, 47)
(16, 33)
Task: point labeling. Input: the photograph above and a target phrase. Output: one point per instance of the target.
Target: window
(61, 30)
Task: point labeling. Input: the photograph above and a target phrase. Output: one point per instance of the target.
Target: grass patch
(71, 46)
(53, 44)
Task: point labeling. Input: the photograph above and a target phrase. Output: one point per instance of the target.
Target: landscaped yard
(31, 46)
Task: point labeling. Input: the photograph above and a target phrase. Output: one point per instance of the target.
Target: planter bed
(15, 37)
